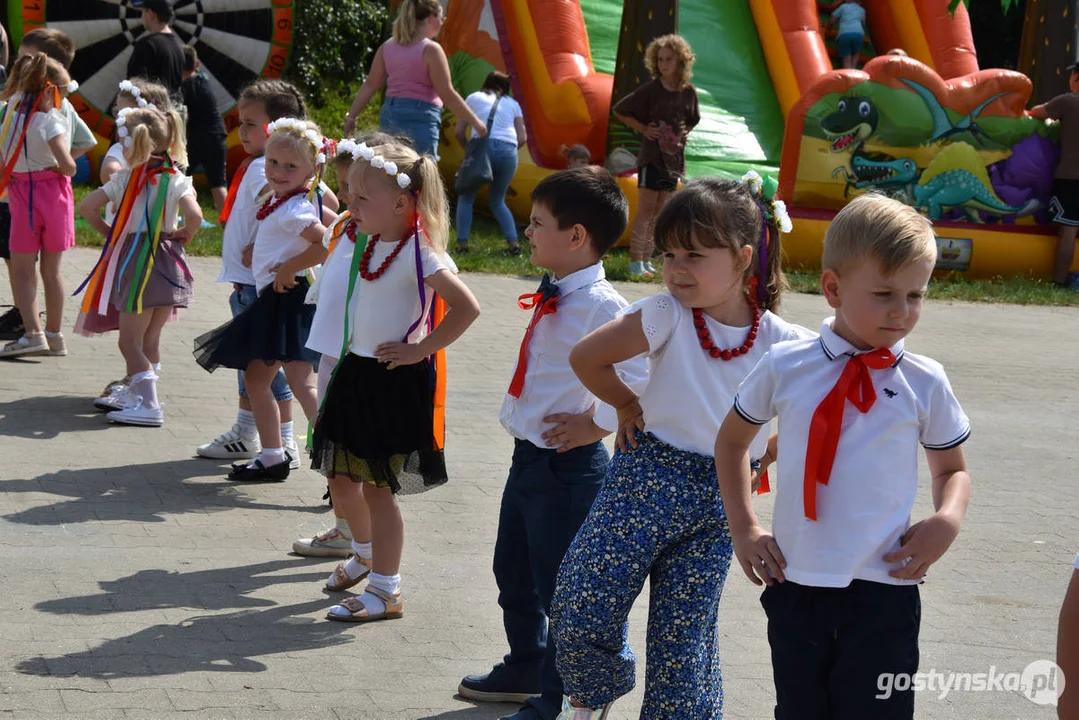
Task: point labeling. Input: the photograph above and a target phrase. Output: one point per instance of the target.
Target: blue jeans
(503, 157)
(418, 120)
(239, 301)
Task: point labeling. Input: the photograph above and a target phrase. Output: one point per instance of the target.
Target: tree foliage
(1005, 5)
(333, 44)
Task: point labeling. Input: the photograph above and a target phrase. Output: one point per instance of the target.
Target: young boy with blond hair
(843, 562)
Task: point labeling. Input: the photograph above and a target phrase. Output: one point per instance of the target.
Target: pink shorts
(49, 223)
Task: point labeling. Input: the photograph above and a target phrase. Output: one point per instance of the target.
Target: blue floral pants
(659, 516)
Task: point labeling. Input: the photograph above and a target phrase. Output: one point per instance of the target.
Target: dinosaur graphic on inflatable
(850, 126)
(956, 178)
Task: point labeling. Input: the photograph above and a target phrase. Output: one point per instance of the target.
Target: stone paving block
(141, 583)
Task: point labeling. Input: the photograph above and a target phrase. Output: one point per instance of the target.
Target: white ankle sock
(362, 549)
(53, 334)
(388, 584)
(269, 457)
(157, 367)
(144, 384)
(245, 423)
(286, 433)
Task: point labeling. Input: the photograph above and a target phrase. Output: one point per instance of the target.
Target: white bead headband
(381, 163)
(126, 86)
(303, 130)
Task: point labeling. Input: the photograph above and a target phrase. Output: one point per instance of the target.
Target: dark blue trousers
(547, 498)
(835, 650)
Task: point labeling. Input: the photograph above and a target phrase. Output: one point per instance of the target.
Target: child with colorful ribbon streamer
(272, 332)
(36, 169)
(142, 274)
(381, 428)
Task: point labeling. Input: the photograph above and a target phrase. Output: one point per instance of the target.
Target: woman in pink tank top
(416, 75)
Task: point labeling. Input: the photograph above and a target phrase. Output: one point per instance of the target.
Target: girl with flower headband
(142, 274)
(36, 167)
(380, 430)
(272, 332)
(659, 515)
(134, 93)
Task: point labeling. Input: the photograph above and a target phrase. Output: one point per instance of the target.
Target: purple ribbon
(762, 280)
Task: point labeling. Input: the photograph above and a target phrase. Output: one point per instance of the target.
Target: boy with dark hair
(559, 461)
(205, 128)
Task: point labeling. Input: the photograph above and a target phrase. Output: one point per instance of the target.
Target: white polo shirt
(865, 508)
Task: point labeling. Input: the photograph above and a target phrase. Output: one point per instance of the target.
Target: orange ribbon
(234, 187)
(856, 385)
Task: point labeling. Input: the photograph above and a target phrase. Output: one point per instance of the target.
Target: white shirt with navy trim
(689, 392)
(586, 301)
(865, 508)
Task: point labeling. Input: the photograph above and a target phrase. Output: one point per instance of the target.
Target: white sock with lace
(156, 367)
(245, 423)
(269, 457)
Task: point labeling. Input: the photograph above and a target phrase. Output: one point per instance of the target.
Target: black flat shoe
(260, 473)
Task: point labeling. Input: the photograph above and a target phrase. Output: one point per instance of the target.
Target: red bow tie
(543, 302)
(856, 385)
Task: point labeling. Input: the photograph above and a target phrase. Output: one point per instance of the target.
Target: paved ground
(137, 582)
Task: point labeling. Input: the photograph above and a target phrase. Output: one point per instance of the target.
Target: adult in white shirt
(506, 133)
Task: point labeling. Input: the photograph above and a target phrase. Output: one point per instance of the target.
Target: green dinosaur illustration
(956, 178)
(943, 127)
(854, 122)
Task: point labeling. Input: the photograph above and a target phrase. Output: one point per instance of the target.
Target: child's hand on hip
(573, 431)
(396, 354)
(285, 278)
(630, 420)
(922, 545)
(759, 555)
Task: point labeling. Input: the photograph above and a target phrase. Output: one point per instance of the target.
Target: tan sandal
(341, 579)
(358, 612)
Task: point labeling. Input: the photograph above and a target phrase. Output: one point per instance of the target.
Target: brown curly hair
(681, 49)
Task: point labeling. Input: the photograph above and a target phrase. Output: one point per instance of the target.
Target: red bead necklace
(365, 260)
(712, 349)
(350, 230)
(272, 203)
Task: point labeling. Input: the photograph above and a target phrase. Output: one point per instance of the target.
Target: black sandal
(260, 473)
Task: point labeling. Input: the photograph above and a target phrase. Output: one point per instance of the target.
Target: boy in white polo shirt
(843, 563)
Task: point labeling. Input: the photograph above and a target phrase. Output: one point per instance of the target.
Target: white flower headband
(72, 87)
(126, 86)
(301, 128)
(776, 209)
(381, 163)
(121, 127)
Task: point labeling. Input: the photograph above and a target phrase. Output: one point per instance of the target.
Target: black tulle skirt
(274, 328)
(377, 426)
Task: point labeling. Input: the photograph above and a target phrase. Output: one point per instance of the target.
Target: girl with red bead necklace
(379, 430)
(660, 515)
(272, 332)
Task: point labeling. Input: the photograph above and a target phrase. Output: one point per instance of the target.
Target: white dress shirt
(586, 301)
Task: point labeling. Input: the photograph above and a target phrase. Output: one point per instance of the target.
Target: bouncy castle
(929, 129)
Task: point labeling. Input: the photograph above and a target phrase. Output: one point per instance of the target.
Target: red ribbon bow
(856, 385)
(541, 303)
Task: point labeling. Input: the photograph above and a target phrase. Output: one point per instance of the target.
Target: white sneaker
(293, 451)
(136, 414)
(231, 445)
(57, 346)
(118, 399)
(24, 346)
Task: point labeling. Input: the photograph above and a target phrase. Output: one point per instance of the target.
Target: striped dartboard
(237, 41)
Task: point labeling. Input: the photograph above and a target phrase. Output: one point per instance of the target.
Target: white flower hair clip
(779, 209)
(348, 146)
(121, 127)
(754, 181)
(365, 152)
(301, 129)
(126, 86)
(72, 87)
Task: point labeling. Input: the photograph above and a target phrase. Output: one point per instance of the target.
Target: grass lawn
(488, 255)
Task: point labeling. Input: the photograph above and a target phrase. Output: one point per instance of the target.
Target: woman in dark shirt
(158, 55)
(205, 129)
(663, 111)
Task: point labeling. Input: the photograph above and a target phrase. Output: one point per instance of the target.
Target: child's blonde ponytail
(142, 144)
(431, 203)
(177, 137)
